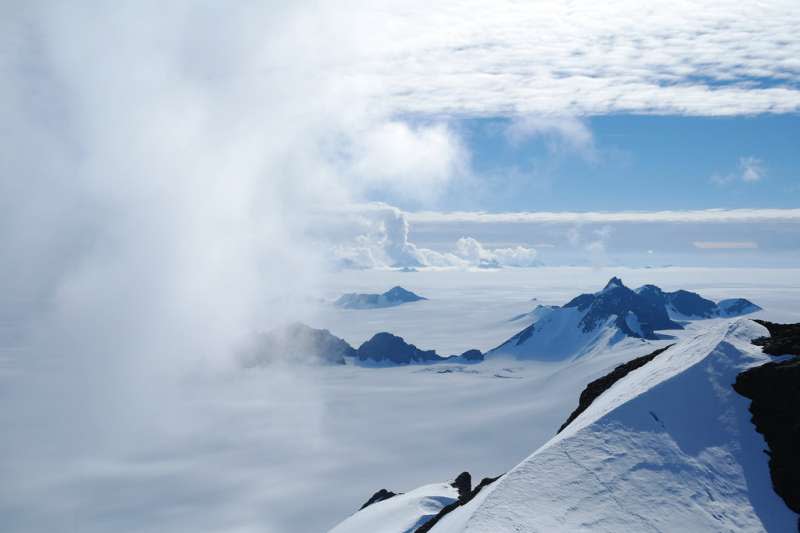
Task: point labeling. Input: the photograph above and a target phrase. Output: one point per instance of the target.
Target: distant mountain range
(592, 321)
(587, 322)
(300, 343)
(393, 297)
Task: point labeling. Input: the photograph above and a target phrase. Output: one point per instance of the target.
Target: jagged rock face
(390, 298)
(600, 385)
(617, 299)
(385, 347)
(774, 389)
(300, 343)
(784, 339)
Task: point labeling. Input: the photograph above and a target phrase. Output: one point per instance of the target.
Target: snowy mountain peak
(613, 283)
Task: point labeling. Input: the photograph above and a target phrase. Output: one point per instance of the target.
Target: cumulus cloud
(379, 238)
(412, 161)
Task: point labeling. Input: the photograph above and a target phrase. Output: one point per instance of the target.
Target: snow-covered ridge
(670, 447)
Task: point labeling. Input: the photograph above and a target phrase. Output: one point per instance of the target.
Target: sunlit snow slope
(670, 447)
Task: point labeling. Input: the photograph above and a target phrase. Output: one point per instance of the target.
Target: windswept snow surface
(670, 447)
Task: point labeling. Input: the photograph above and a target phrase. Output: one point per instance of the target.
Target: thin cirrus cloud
(722, 245)
(557, 58)
(702, 215)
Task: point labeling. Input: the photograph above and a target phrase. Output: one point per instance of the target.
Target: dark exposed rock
(774, 389)
(597, 387)
(300, 343)
(390, 298)
(784, 339)
(692, 305)
(472, 355)
(618, 300)
(385, 347)
(379, 496)
(462, 482)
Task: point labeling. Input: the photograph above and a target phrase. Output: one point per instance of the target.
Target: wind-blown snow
(670, 447)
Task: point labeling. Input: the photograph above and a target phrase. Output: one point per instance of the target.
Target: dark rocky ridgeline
(784, 339)
(379, 496)
(774, 391)
(685, 302)
(472, 355)
(385, 347)
(617, 299)
(465, 494)
(597, 387)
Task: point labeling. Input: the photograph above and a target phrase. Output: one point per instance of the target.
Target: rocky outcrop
(783, 339)
(387, 348)
(379, 496)
(298, 343)
(465, 494)
(600, 385)
(774, 391)
(392, 297)
(472, 355)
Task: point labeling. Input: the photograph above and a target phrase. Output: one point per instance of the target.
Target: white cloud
(412, 161)
(379, 238)
(476, 254)
(721, 245)
(752, 169)
(565, 58)
(703, 215)
(560, 133)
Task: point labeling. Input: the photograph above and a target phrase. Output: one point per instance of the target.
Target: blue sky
(635, 162)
